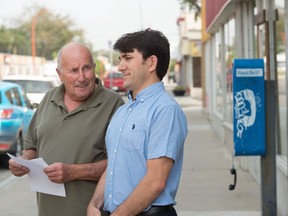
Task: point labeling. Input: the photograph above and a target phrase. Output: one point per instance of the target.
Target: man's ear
(153, 63)
(59, 74)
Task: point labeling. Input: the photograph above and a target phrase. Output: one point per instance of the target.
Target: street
(15, 195)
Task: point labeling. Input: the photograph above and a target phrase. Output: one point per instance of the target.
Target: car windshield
(33, 86)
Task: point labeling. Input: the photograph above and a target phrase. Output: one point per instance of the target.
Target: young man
(68, 131)
(145, 137)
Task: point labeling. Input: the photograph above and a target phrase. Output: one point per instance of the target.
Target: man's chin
(82, 95)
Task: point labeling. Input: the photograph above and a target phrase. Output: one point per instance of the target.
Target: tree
(13, 40)
(193, 5)
(99, 69)
(52, 32)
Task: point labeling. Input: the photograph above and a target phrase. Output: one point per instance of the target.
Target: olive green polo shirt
(74, 137)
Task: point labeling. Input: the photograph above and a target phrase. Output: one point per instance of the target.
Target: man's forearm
(29, 154)
(148, 189)
(97, 200)
(90, 171)
(141, 198)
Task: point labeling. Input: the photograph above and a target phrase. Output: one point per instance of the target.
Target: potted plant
(179, 90)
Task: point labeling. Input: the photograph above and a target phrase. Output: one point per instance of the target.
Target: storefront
(246, 29)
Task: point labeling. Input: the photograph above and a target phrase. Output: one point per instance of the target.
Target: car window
(17, 97)
(9, 96)
(26, 99)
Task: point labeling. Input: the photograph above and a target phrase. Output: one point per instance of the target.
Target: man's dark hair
(148, 42)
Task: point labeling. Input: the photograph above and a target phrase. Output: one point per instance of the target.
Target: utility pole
(268, 162)
(33, 37)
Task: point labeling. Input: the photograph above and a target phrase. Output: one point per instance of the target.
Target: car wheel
(19, 146)
(4, 161)
(17, 151)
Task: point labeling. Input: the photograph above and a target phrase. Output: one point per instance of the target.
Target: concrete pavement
(205, 179)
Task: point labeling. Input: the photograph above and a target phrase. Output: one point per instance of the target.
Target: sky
(104, 21)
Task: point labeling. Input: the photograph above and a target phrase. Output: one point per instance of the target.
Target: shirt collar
(147, 92)
(97, 93)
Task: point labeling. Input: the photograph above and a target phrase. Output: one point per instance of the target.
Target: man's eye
(87, 68)
(74, 71)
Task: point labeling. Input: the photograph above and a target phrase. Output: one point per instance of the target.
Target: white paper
(38, 180)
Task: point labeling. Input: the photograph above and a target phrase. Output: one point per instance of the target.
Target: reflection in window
(281, 70)
(219, 85)
(282, 89)
(229, 31)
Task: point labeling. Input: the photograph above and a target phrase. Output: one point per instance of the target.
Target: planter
(179, 92)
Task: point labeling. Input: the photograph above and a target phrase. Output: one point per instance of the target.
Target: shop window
(229, 40)
(219, 85)
(281, 78)
(280, 71)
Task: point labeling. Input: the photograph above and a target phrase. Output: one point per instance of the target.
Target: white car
(34, 86)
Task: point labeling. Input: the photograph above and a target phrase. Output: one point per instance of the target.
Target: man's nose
(81, 74)
(121, 67)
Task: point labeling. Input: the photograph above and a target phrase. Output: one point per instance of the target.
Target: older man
(68, 131)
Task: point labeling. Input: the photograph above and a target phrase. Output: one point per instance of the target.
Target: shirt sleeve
(30, 141)
(167, 133)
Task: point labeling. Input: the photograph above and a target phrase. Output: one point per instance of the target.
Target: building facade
(12, 64)
(246, 29)
(189, 74)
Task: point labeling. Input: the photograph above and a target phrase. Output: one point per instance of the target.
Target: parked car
(35, 86)
(114, 81)
(16, 112)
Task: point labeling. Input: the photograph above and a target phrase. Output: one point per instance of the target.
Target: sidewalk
(205, 179)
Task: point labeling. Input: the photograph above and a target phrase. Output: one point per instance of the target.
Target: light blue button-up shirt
(149, 127)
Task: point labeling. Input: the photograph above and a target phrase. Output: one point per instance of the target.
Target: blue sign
(249, 107)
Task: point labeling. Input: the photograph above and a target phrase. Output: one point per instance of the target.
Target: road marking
(7, 181)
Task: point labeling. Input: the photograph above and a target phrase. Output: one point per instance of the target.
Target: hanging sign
(249, 107)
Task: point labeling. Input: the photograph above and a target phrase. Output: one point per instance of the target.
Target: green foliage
(13, 40)
(172, 64)
(193, 5)
(52, 31)
(99, 69)
(180, 88)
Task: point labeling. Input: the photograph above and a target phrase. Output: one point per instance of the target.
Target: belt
(155, 210)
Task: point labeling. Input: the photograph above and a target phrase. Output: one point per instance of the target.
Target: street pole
(268, 162)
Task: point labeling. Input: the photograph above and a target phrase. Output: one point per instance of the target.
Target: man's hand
(93, 211)
(17, 169)
(60, 172)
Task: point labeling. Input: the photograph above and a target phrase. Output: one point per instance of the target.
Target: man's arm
(19, 170)
(149, 188)
(61, 173)
(97, 200)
